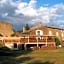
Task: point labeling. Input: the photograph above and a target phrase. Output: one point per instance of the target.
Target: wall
(5, 28)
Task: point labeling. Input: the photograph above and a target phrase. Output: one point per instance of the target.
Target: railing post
(25, 47)
(46, 40)
(28, 39)
(54, 41)
(37, 43)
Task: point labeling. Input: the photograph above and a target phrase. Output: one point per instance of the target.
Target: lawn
(34, 57)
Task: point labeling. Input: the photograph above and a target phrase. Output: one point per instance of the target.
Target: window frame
(40, 32)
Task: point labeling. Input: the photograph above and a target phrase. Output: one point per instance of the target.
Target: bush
(57, 41)
(4, 48)
(13, 34)
(1, 45)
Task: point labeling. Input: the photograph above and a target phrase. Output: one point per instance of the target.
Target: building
(38, 37)
(5, 29)
(40, 30)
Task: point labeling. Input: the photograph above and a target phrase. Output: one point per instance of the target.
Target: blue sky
(43, 2)
(20, 12)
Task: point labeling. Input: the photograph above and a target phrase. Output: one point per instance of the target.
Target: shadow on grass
(40, 62)
(5, 51)
(17, 61)
(9, 56)
(24, 59)
(16, 53)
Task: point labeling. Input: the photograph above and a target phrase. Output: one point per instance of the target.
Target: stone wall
(5, 28)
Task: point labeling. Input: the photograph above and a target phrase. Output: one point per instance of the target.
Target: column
(54, 41)
(28, 39)
(25, 46)
(37, 43)
(46, 41)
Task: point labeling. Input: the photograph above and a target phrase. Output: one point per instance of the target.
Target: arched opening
(39, 32)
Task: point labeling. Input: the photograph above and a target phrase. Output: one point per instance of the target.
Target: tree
(57, 41)
(27, 27)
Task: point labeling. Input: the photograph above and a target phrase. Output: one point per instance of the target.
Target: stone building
(40, 30)
(44, 30)
(38, 37)
(5, 29)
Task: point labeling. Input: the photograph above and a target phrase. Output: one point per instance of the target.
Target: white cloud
(22, 5)
(5, 14)
(44, 14)
(32, 3)
(2, 1)
(27, 8)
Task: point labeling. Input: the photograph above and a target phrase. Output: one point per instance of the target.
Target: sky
(32, 12)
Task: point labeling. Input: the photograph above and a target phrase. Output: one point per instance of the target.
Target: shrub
(57, 41)
(4, 48)
(1, 45)
(13, 34)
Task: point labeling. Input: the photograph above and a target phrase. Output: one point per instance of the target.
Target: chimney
(24, 29)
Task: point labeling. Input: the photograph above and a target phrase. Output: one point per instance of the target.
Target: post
(54, 41)
(25, 47)
(37, 43)
(28, 39)
(46, 40)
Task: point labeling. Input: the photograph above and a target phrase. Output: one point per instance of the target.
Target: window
(50, 33)
(57, 34)
(39, 32)
(49, 38)
(15, 45)
(62, 35)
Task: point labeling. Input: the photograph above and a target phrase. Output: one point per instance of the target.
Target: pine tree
(27, 27)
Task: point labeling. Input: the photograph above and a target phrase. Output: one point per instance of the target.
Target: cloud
(27, 8)
(32, 3)
(5, 14)
(22, 12)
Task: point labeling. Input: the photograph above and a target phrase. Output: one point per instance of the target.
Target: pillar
(37, 43)
(28, 39)
(53, 40)
(46, 41)
(25, 46)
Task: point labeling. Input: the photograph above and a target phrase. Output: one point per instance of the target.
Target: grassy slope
(35, 57)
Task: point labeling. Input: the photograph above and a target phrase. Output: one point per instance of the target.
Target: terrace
(29, 41)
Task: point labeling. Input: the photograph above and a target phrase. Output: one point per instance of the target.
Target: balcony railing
(29, 39)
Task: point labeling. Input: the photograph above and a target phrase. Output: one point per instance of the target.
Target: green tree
(57, 41)
(27, 27)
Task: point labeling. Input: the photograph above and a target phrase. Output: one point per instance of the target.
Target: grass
(35, 57)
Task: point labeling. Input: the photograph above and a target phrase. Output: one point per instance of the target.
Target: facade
(39, 37)
(40, 30)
